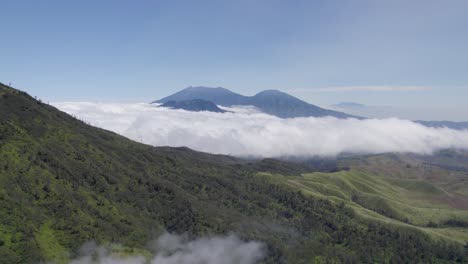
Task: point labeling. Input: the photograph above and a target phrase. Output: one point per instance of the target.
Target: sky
(408, 54)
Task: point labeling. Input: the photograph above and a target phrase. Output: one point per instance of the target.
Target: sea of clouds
(173, 249)
(247, 132)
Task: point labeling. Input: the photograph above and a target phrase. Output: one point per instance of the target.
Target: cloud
(378, 88)
(173, 249)
(247, 132)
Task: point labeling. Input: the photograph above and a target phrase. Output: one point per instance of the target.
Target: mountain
(272, 102)
(219, 96)
(283, 105)
(64, 183)
(448, 124)
(195, 105)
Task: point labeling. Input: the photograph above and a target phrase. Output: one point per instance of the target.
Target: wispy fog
(247, 132)
(172, 249)
(428, 113)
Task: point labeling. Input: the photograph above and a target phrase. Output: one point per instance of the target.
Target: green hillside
(64, 183)
(429, 193)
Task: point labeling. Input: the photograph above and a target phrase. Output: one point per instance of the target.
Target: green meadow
(431, 206)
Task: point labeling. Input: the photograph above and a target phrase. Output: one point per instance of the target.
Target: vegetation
(64, 183)
(417, 203)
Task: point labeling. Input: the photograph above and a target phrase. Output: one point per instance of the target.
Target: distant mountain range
(195, 105)
(387, 111)
(272, 102)
(448, 124)
(347, 105)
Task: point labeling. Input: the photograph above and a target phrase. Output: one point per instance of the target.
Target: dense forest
(63, 183)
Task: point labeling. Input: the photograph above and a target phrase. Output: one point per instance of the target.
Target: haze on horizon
(406, 55)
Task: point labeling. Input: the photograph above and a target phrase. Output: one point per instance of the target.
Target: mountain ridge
(219, 96)
(352, 106)
(272, 102)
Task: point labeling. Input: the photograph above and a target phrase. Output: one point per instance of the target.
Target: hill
(272, 102)
(64, 183)
(425, 192)
(195, 105)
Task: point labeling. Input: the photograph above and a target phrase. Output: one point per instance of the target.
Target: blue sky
(321, 51)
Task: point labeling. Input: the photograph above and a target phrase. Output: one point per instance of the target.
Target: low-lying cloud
(248, 132)
(173, 249)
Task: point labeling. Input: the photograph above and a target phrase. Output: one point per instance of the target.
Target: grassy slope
(63, 183)
(400, 189)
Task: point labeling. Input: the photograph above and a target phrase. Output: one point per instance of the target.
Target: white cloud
(247, 132)
(172, 249)
(378, 88)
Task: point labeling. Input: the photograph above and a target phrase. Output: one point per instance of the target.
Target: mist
(246, 132)
(173, 249)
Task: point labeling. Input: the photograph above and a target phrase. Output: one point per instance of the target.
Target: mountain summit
(283, 105)
(195, 105)
(272, 102)
(219, 96)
